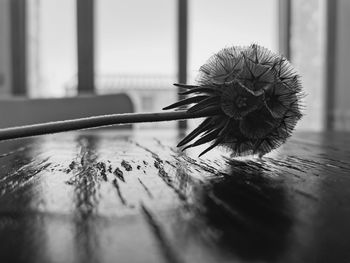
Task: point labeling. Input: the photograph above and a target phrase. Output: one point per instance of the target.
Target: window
(135, 43)
(136, 51)
(51, 45)
(309, 27)
(217, 24)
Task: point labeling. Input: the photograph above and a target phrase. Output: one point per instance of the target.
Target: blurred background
(69, 48)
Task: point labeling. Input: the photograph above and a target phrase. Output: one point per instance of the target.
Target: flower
(258, 94)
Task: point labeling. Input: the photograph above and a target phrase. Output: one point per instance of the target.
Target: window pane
(218, 24)
(135, 50)
(308, 26)
(52, 64)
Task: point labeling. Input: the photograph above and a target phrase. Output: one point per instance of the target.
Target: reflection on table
(132, 196)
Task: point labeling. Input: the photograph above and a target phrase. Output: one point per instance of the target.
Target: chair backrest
(20, 111)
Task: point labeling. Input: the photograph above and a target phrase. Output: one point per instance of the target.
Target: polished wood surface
(131, 196)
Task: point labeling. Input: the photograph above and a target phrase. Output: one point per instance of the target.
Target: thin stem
(98, 121)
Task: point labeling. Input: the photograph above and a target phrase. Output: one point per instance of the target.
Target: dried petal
(237, 101)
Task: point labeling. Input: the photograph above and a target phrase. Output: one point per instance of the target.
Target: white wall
(5, 52)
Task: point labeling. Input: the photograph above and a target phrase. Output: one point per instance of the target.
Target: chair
(21, 111)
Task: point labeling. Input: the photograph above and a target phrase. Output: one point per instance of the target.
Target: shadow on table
(248, 211)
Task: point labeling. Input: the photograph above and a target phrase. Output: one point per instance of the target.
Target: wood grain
(131, 196)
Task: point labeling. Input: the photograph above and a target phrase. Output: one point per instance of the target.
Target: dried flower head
(258, 94)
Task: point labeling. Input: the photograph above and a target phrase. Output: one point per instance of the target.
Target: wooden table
(131, 196)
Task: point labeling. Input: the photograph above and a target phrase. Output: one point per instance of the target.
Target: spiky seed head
(258, 93)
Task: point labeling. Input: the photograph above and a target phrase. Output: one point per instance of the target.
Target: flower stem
(99, 121)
